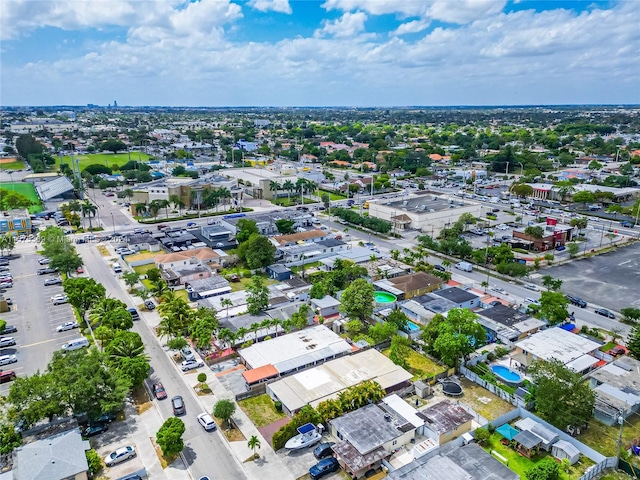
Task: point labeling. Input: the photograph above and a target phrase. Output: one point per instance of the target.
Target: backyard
(261, 410)
(106, 159)
(604, 438)
(520, 464)
(420, 366)
(484, 402)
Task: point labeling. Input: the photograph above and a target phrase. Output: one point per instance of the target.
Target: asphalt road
(206, 452)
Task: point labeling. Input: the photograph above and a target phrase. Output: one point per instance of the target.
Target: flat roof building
(312, 386)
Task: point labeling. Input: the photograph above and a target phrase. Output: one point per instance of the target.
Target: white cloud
(281, 6)
(348, 25)
(413, 26)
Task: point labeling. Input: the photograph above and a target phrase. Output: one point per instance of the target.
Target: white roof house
(555, 343)
(294, 350)
(312, 386)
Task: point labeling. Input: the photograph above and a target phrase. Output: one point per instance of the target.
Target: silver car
(120, 455)
(7, 341)
(191, 364)
(67, 326)
(7, 359)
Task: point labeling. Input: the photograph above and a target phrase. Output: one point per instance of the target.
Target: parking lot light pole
(113, 224)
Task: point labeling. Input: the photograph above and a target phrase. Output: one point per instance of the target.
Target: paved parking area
(300, 461)
(610, 279)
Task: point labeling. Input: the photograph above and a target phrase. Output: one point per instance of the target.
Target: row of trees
(58, 248)
(301, 186)
(372, 223)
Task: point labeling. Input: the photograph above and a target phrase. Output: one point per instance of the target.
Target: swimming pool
(412, 327)
(507, 375)
(384, 297)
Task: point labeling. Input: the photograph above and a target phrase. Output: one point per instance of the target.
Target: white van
(75, 344)
(464, 266)
(117, 268)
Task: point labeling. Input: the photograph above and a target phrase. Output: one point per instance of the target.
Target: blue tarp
(569, 327)
(507, 431)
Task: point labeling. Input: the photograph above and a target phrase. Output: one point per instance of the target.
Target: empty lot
(611, 280)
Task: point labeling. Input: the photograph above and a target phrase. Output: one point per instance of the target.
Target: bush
(501, 351)
(491, 428)
(94, 461)
(278, 405)
(202, 377)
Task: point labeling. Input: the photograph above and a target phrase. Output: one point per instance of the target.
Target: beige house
(446, 421)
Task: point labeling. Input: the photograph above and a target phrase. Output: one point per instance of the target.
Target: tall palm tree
(177, 202)
(254, 327)
(241, 333)
(224, 194)
(289, 186)
(128, 193)
(154, 208)
(140, 209)
(275, 187)
(165, 204)
(88, 210)
(253, 443)
(225, 302)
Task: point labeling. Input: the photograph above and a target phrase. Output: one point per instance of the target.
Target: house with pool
(408, 286)
(507, 325)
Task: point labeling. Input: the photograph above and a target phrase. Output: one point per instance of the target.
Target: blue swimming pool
(412, 327)
(507, 375)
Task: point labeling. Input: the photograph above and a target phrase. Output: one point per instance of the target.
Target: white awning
(215, 291)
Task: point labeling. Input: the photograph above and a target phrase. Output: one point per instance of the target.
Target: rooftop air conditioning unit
(405, 203)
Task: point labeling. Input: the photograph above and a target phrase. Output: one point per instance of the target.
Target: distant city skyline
(357, 53)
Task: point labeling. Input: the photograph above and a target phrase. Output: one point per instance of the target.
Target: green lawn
(260, 410)
(26, 189)
(142, 269)
(333, 196)
(246, 281)
(107, 159)
(520, 464)
(419, 365)
(604, 439)
(13, 165)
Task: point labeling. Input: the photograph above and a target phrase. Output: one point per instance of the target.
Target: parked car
(7, 376)
(560, 248)
(149, 304)
(7, 341)
(79, 270)
(158, 391)
(440, 268)
(626, 224)
(323, 450)
(191, 364)
(577, 301)
(604, 312)
(192, 224)
(617, 351)
(531, 286)
(59, 299)
(207, 422)
(134, 313)
(44, 261)
(187, 354)
(9, 329)
(7, 359)
(119, 455)
(106, 417)
(52, 281)
(67, 326)
(324, 467)
(95, 429)
(45, 271)
(177, 403)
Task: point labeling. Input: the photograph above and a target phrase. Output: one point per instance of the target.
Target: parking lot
(34, 315)
(610, 279)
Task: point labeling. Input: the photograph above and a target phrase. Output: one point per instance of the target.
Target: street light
(113, 223)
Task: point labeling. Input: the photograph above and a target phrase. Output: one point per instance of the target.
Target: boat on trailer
(307, 435)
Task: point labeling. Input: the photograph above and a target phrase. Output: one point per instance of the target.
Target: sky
(360, 53)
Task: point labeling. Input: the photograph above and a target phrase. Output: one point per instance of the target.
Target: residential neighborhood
(233, 294)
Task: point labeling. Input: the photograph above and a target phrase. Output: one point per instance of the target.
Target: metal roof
(54, 188)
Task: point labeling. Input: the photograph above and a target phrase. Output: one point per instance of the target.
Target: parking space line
(38, 343)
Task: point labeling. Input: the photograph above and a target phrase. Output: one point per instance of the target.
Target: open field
(261, 410)
(26, 189)
(106, 159)
(11, 163)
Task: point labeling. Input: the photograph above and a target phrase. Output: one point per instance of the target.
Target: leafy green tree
(583, 197)
(7, 243)
(9, 439)
(381, 332)
(130, 278)
(224, 410)
(354, 327)
(154, 275)
(573, 249)
(522, 190)
(169, 437)
(35, 397)
(513, 269)
(397, 318)
(113, 145)
(258, 296)
(482, 435)
(633, 343)
(553, 307)
(67, 261)
(357, 299)
(126, 354)
(111, 313)
(176, 315)
(285, 225)
(27, 144)
(544, 470)
(534, 231)
(326, 200)
(257, 251)
(83, 293)
(551, 283)
(300, 319)
(455, 336)
(630, 314)
(400, 351)
(245, 228)
(94, 461)
(558, 385)
(205, 323)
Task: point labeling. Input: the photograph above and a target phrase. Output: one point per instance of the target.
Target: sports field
(11, 163)
(106, 159)
(26, 189)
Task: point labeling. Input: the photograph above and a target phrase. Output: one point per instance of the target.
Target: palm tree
(241, 333)
(254, 327)
(275, 187)
(196, 198)
(88, 209)
(165, 204)
(224, 194)
(225, 302)
(266, 324)
(177, 203)
(564, 188)
(128, 193)
(126, 349)
(289, 187)
(140, 209)
(154, 208)
(254, 443)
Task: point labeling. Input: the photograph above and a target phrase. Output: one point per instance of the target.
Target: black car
(604, 312)
(95, 429)
(9, 329)
(106, 418)
(324, 467)
(440, 268)
(134, 313)
(576, 301)
(323, 450)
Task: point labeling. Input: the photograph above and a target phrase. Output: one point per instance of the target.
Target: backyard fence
(256, 390)
(506, 396)
(598, 468)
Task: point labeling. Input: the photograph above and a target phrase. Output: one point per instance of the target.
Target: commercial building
(554, 235)
(312, 386)
(15, 222)
(427, 212)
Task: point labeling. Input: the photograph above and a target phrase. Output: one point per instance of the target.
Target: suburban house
(200, 256)
(60, 456)
(445, 421)
(469, 462)
(368, 435)
(326, 306)
(279, 272)
(309, 252)
(297, 238)
(415, 284)
(208, 286)
(506, 324)
(617, 387)
(143, 241)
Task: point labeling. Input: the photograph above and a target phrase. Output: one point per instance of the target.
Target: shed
(279, 272)
(563, 449)
(548, 437)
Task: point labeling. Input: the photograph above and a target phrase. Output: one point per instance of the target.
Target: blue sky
(320, 53)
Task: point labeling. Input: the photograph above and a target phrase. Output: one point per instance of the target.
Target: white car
(531, 286)
(7, 359)
(497, 289)
(502, 227)
(67, 326)
(7, 341)
(59, 299)
(206, 421)
(529, 301)
(191, 364)
(120, 455)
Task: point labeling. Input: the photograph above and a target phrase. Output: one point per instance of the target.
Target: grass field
(11, 164)
(419, 365)
(106, 159)
(332, 196)
(261, 410)
(27, 190)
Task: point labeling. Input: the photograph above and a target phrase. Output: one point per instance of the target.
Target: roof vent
(387, 417)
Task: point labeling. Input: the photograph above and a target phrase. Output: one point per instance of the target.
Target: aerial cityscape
(291, 240)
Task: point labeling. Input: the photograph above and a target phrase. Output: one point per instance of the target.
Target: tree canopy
(455, 336)
(357, 299)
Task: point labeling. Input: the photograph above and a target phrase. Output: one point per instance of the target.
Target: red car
(159, 391)
(80, 270)
(7, 376)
